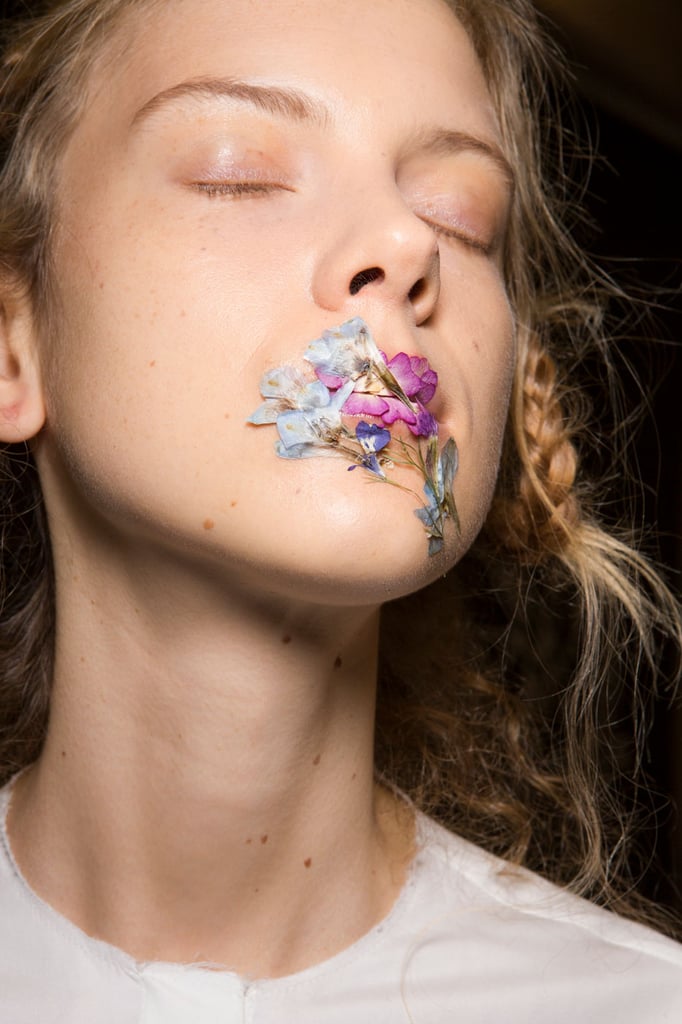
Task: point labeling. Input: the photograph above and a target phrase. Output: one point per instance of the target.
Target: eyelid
(461, 235)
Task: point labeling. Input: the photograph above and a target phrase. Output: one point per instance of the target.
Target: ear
(22, 405)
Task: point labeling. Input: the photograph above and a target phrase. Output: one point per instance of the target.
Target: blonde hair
(454, 732)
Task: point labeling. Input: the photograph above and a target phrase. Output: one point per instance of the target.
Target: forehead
(407, 57)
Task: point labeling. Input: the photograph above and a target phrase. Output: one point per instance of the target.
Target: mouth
(370, 410)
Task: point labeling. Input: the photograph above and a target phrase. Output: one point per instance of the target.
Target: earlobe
(22, 406)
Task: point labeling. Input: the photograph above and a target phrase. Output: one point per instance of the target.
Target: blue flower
(372, 440)
(314, 431)
(440, 502)
(284, 388)
(344, 353)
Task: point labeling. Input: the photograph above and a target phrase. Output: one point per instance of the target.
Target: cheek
(479, 378)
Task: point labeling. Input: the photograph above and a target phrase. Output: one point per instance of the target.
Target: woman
(232, 232)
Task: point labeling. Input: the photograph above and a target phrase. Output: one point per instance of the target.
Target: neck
(209, 750)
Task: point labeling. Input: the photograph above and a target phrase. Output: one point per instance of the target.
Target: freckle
(249, 841)
(263, 840)
(153, 362)
(286, 639)
(92, 602)
(316, 760)
(183, 312)
(82, 660)
(233, 504)
(337, 662)
(63, 753)
(208, 524)
(353, 776)
(101, 285)
(256, 890)
(227, 415)
(298, 490)
(477, 347)
(308, 861)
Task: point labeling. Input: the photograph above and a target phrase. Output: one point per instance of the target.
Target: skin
(210, 743)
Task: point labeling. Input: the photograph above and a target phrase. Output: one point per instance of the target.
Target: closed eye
(459, 235)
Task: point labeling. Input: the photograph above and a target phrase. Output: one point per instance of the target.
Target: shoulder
(501, 935)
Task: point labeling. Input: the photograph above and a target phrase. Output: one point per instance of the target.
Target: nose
(383, 253)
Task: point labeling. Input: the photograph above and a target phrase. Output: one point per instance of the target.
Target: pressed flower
(303, 431)
(285, 388)
(354, 378)
(419, 421)
(372, 439)
(415, 376)
(440, 503)
(344, 353)
(397, 389)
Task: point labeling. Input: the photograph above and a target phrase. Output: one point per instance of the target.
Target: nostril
(365, 277)
(417, 290)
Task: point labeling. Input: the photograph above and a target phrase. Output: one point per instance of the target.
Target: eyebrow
(270, 98)
(291, 103)
(448, 141)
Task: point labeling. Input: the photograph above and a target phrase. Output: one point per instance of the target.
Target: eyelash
(486, 248)
(237, 189)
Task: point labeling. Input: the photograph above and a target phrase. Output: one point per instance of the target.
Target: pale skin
(210, 740)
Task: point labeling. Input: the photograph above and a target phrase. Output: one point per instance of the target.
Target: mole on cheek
(286, 639)
(308, 861)
(208, 524)
(337, 662)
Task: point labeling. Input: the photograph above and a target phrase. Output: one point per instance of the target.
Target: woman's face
(206, 235)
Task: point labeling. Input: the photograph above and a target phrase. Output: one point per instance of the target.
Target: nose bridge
(375, 243)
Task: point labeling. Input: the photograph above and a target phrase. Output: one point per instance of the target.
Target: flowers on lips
(395, 390)
(354, 378)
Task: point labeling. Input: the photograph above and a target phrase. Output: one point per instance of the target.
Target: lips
(356, 382)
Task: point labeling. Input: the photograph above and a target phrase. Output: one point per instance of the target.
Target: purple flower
(415, 377)
(372, 440)
(400, 390)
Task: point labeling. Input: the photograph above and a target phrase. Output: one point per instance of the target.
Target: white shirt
(470, 940)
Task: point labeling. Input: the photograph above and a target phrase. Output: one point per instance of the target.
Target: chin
(358, 543)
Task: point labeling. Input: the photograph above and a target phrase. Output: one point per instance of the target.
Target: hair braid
(536, 517)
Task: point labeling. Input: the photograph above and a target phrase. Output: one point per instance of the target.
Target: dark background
(627, 60)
